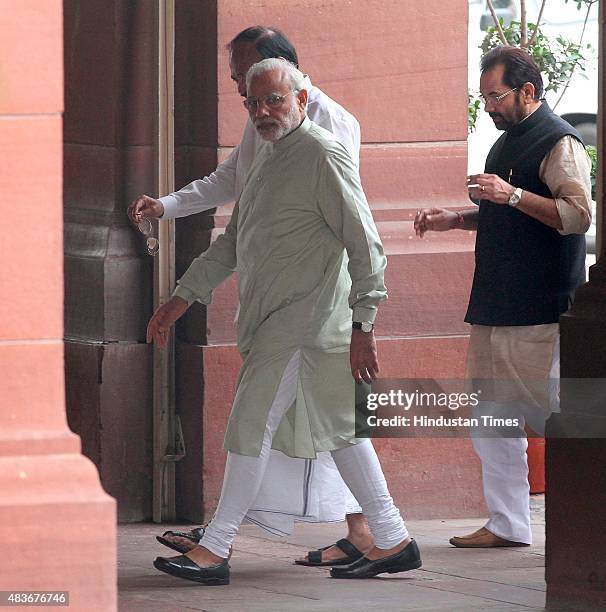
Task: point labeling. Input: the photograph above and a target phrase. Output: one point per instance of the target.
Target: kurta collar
(307, 83)
(294, 137)
(312, 91)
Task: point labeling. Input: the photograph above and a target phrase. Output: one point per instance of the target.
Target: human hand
(489, 187)
(163, 319)
(144, 207)
(434, 219)
(363, 356)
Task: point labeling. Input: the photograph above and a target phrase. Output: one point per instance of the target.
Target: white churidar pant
(359, 466)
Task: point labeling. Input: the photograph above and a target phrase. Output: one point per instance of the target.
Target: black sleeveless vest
(526, 272)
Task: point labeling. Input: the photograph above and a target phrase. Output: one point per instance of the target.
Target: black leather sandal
(184, 567)
(194, 536)
(314, 557)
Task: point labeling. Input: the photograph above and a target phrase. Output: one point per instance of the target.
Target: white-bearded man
(295, 489)
(310, 277)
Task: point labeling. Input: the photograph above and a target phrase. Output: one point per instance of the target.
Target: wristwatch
(515, 197)
(365, 326)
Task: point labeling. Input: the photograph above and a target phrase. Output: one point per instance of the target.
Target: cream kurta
(301, 207)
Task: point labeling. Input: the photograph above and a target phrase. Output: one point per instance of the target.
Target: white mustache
(266, 122)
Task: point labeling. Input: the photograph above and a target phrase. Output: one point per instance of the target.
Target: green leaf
(557, 58)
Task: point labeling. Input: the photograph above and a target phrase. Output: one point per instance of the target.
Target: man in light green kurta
(301, 205)
(309, 262)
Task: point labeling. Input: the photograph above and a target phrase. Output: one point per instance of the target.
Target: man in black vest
(534, 207)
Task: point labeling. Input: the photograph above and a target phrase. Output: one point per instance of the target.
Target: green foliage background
(558, 58)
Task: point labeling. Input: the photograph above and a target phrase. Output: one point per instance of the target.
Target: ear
(302, 97)
(528, 92)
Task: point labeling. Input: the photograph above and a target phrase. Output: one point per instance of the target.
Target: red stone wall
(57, 526)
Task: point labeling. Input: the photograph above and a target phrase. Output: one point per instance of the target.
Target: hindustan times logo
(419, 399)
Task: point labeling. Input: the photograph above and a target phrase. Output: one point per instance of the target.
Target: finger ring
(483, 188)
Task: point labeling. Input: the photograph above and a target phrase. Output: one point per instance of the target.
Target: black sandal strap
(198, 532)
(314, 556)
(195, 535)
(349, 549)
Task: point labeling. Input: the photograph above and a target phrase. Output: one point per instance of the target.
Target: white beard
(273, 130)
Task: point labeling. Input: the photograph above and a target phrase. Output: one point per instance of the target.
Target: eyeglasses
(271, 101)
(146, 228)
(495, 100)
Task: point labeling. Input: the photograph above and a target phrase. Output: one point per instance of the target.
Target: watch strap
(515, 197)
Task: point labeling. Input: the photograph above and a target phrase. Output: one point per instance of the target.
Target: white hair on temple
(297, 78)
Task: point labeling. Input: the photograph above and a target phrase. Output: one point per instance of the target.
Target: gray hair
(295, 76)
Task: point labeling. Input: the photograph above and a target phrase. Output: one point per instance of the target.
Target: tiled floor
(263, 577)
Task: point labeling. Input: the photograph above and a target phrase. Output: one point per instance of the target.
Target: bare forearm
(540, 208)
(442, 220)
(470, 220)
(492, 188)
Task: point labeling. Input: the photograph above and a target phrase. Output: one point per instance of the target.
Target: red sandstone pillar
(57, 526)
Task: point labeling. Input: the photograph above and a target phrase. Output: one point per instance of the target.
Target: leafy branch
(558, 58)
(589, 4)
(497, 22)
(593, 155)
(533, 38)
